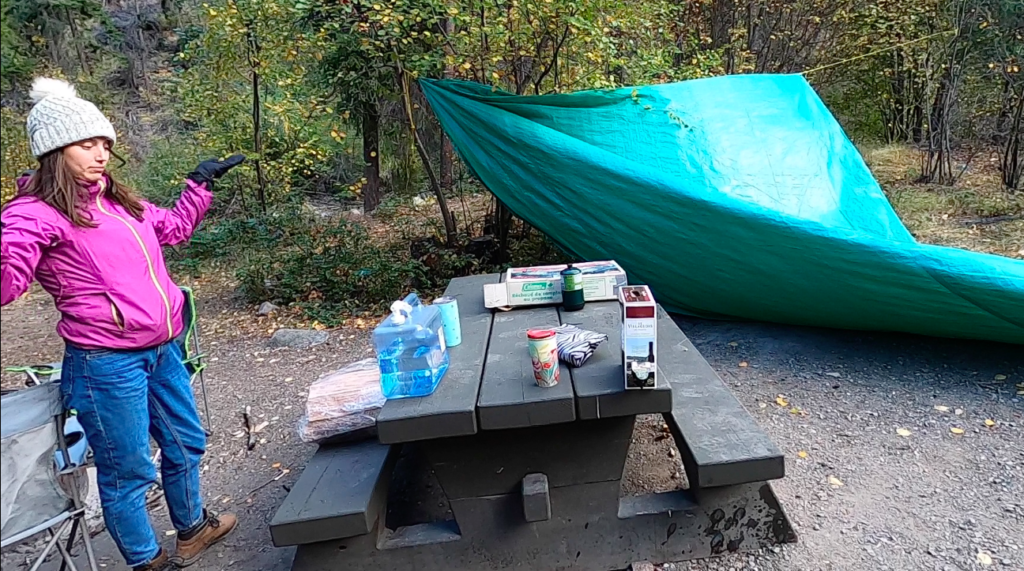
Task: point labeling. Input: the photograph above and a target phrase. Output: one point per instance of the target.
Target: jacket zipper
(149, 260)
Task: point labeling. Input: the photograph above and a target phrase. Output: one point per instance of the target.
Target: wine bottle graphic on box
(639, 337)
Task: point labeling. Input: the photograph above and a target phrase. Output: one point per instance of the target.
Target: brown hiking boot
(216, 528)
(159, 563)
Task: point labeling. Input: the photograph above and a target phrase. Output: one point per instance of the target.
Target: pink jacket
(110, 282)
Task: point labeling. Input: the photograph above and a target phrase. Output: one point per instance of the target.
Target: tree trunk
(1004, 120)
(257, 118)
(169, 9)
(936, 159)
(447, 153)
(503, 230)
(76, 41)
(447, 162)
(723, 19)
(257, 139)
(1012, 166)
(372, 192)
(451, 231)
(144, 48)
(938, 163)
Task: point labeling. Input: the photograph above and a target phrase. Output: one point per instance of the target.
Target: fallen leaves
(903, 432)
(781, 401)
(834, 375)
(1001, 377)
(941, 408)
(956, 430)
(984, 558)
(733, 344)
(989, 422)
(744, 364)
(835, 482)
(802, 454)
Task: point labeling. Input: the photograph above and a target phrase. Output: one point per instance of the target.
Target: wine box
(639, 337)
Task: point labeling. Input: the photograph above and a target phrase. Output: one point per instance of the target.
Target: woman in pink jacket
(96, 248)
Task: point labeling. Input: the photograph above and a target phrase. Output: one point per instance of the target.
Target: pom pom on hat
(44, 87)
(60, 118)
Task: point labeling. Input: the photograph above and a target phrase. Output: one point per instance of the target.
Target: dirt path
(933, 500)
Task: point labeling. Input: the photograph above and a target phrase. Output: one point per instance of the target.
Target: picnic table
(530, 477)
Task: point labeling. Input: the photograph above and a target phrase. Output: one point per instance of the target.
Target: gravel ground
(862, 496)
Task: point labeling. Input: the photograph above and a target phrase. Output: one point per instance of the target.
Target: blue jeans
(123, 398)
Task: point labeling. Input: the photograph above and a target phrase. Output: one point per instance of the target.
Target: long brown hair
(55, 184)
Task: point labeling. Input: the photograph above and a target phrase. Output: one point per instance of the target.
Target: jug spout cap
(400, 311)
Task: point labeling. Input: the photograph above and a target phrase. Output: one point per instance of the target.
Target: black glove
(211, 170)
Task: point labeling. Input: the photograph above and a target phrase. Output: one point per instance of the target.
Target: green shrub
(329, 268)
(160, 177)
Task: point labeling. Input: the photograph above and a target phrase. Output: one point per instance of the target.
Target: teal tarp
(733, 197)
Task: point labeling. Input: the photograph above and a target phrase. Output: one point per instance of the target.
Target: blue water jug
(411, 349)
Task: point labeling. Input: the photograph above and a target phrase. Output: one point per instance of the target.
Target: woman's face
(88, 159)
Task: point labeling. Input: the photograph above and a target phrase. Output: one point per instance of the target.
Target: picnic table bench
(530, 477)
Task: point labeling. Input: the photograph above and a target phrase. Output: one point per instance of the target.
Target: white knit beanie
(60, 118)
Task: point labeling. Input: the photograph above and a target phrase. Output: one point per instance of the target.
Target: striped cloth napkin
(576, 345)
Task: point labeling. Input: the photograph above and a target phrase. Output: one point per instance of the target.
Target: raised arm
(176, 225)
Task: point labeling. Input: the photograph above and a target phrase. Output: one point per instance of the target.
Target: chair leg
(90, 556)
(65, 554)
(71, 542)
(81, 523)
(206, 404)
(54, 540)
(202, 380)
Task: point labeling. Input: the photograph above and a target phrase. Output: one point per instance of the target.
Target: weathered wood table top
(489, 384)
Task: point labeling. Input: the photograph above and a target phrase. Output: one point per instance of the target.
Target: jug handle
(413, 299)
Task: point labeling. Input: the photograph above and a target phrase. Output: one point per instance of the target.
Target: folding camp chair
(37, 496)
(192, 358)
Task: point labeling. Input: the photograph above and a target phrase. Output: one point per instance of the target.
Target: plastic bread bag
(343, 402)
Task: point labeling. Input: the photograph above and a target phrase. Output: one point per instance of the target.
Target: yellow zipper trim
(149, 260)
(117, 320)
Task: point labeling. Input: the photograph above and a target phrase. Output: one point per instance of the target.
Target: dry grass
(977, 214)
